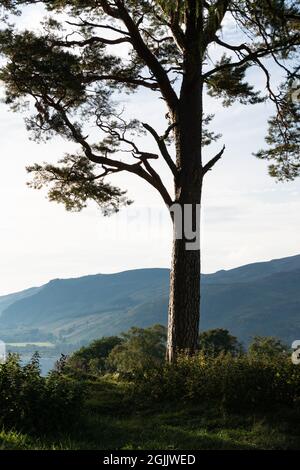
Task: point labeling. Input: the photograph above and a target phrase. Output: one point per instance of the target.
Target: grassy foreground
(111, 422)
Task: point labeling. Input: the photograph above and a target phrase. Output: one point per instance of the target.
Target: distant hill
(260, 298)
(7, 300)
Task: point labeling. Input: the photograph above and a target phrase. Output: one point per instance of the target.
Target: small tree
(140, 350)
(93, 358)
(219, 341)
(179, 50)
(267, 346)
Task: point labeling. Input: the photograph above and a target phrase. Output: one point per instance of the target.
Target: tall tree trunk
(184, 303)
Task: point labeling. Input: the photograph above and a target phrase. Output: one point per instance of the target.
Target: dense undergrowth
(214, 400)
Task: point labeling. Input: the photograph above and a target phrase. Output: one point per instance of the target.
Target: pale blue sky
(248, 217)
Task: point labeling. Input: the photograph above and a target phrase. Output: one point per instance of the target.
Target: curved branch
(215, 19)
(213, 161)
(251, 55)
(157, 181)
(150, 175)
(97, 25)
(117, 78)
(148, 57)
(92, 40)
(162, 147)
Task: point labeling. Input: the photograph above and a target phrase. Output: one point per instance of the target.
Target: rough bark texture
(184, 304)
(183, 325)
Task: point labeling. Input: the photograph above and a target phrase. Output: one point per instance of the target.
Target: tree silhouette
(89, 51)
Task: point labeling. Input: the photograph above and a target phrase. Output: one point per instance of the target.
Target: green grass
(111, 422)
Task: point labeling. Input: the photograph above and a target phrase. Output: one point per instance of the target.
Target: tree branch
(215, 18)
(117, 78)
(177, 32)
(150, 175)
(109, 10)
(97, 25)
(148, 57)
(158, 184)
(162, 147)
(213, 161)
(251, 55)
(92, 40)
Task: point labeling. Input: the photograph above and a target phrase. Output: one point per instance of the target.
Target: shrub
(141, 349)
(91, 359)
(219, 341)
(267, 346)
(232, 383)
(34, 403)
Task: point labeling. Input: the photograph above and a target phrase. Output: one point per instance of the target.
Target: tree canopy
(267, 346)
(219, 341)
(94, 356)
(141, 349)
(71, 73)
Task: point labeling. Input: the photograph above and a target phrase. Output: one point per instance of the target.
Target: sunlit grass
(110, 422)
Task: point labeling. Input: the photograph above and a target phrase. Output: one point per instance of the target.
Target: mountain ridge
(258, 298)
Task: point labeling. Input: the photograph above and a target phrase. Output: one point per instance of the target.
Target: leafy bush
(233, 383)
(218, 341)
(141, 349)
(34, 403)
(91, 359)
(267, 346)
(135, 350)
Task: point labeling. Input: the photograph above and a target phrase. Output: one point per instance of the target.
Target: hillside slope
(261, 298)
(7, 300)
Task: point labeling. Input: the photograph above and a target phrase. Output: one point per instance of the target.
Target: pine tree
(70, 75)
